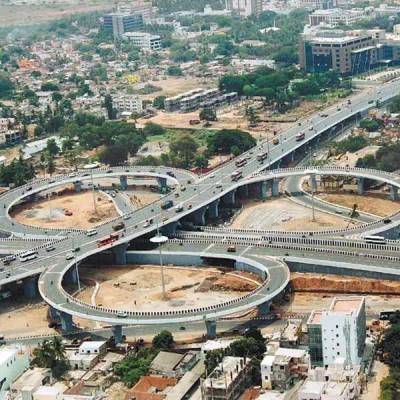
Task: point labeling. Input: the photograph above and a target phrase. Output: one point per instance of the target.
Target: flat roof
(347, 304)
(312, 387)
(315, 318)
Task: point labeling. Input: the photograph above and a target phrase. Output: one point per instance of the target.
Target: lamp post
(93, 191)
(76, 264)
(160, 239)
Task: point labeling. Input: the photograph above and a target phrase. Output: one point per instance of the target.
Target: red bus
(108, 240)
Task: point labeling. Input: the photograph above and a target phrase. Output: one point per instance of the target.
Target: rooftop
(312, 387)
(31, 377)
(166, 361)
(347, 305)
(315, 318)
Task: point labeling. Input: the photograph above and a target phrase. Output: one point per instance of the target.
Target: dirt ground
(51, 213)
(379, 371)
(11, 15)
(139, 288)
(283, 214)
(141, 198)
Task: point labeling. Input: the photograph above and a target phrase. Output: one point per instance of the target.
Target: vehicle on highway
(167, 204)
(28, 255)
(126, 217)
(118, 226)
(236, 175)
(68, 213)
(122, 314)
(179, 208)
(9, 259)
(50, 248)
(108, 240)
(300, 136)
(69, 256)
(375, 239)
(231, 249)
(183, 188)
(275, 141)
(91, 232)
(262, 156)
(241, 162)
(76, 249)
(387, 221)
(169, 173)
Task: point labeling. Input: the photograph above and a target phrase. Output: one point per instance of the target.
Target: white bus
(28, 255)
(235, 176)
(375, 239)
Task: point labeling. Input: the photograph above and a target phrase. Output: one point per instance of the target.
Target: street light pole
(160, 239)
(76, 264)
(94, 194)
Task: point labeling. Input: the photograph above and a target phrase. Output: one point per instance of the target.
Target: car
(76, 249)
(169, 173)
(189, 206)
(126, 217)
(387, 221)
(68, 213)
(179, 208)
(86, 175)
(146, 224)
(52, 181)
(182, 328)
(339, 212)
(113, 195)
(91, 232)
(231, 249)
(69, 256)
(109, 171)
(122, 314)
(118, 226)
(212, 176)
(176, 194)
(72, 175)
(275, 141)
(183, 188)
(50, 248)
(167, 204)
(219, 186)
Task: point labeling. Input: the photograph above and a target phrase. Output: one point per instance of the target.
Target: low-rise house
(14, 361)
(29, 382)
(151, 387)
(173, 364)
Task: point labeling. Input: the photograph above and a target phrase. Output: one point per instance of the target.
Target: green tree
(251, 116)
(50, 166)
(52, 148)
(183, 149)
(152, 129)
(49, 87)
(370, 125)
(163, 341)
(114, 155)
(158, 102)
(174, 70)
(208, 114)
(108, 103)
(51, 354)
(201, 161)
(6, 86)
(226, 140)
(213, 358)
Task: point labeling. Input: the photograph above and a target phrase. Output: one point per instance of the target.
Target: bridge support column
(211, 328)
(123, 181)
(360, 185)
(243, 191)
(292, 156)
(66, 322)
(71, 277)
(264, 186)
(162, 184)
(117, 333)
(33, 197)
(30, 288)
(169, 229)
(264, 308)
(78, 186)
(275, 187)
(394, 195)
(199, 216)
(120, 253)
(213, 209)
(313, 180)
(53, 314)
(229, 198)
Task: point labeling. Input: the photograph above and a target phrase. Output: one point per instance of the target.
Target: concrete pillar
(123, 180)
(162, 184)
(78, 186)
(229, 198)
(120, 253)
(213, 209)
(170, 229)
(394, 193)
(211, 328)
(117, 333)
(243, 191)
(53, 314)
(71, 277)
(292, 156)
(199, 216)
(264, 308)
(360, 185)
(33, 197)
(263, 188)
(66, 322)
(275, 187)
(313, 180)
(30, 287)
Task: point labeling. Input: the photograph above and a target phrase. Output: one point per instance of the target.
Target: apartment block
(143, 7)
(244, 8)
(120, 23)
(128, 104)
(336, 16)
(144, 41)
(317, 4)
(199, 98)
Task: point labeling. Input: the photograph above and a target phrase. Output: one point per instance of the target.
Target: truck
(262, 156)
(235, 176)
(167, 204)
(300, 136)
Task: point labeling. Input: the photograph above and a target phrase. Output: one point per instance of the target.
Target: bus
(262, 156)
(28, 255)
(241, 162)
(375, 239)
(300, 136)
(235, 176)
(108, 240)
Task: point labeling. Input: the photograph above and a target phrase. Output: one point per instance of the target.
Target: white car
(146, 224)
(91, 232)
(69, 256)
(122, 314)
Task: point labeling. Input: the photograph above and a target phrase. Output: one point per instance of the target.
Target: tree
(370, 125)
(71, 157)
(51, 354)
(6, 86)
(49, 87)
(213, 358)
(251, 116)
(208, 114)
(226, 141)
(52, 148)
(174, 70)
(114, 155)
(201, 161)
(158, 102)
(152, 129)
(183, 148)
(163, 341)
(108, 104)
(50, 166)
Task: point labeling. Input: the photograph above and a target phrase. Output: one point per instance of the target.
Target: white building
(336, 16)
(143, 40)
(29, 382)
(244, 8)
(128, 104)
(47, 393)
(93, 347)
(13, 362)
(343, 330)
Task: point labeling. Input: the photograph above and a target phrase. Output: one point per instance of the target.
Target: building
(336, 16)
(87, 355)
(216, 344)
(29, 382)
(228, 380)
(338, 332)
(98, 347)
(120, 23)
(172, 364)
(317, 4)
(281, 366)
(244, 8)
(128, 104)
(339, 51)
(291, 333)
(144, 41)
(47, 393)
(199, 98)
(142, 7)
(151, 387)
(14, 361)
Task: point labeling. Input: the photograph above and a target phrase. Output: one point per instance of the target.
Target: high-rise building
(317, 4)
(143, 7)
(340, 330)
(244, 8)
(119, 23)
(336, 16)
(144, 40)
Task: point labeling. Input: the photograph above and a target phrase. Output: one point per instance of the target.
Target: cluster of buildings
(10, 131)
(348, 52)
(199, 98)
